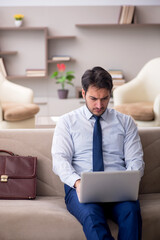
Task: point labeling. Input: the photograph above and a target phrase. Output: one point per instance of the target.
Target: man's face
(96, 99)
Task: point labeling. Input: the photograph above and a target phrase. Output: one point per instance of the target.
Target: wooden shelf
(95, 25)
(59, 37)
(56, 61)
(23, 77)
(117, 25)
(8, 53)
(22, 28)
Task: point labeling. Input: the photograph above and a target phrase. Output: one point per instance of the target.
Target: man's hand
(77, 187)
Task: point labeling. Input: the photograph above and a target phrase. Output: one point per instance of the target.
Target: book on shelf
(115, 71)
(119, 81)
(117, 84)
(126, 14)
(116, 74)
(61, 58)
(130, 15)
(2, 68)
(117, 77)
(123, 14)
(35, 72)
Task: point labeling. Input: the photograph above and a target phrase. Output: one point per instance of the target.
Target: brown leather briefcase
(17, 176)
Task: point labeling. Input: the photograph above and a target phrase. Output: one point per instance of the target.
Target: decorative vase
(62, 93)
(18, 23)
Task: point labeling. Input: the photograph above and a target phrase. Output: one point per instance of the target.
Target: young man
(73, 152)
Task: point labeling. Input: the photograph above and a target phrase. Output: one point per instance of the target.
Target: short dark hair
(97, 77)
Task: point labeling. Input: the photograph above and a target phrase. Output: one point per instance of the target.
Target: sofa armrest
(156, 109)
(11, 92)
(1, 113)
(128, 93)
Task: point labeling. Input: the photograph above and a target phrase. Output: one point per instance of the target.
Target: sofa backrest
(37, 142)
(150, 138)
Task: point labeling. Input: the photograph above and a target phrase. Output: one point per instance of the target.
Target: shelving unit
(7, 53)
(60, 37)
(46, 39)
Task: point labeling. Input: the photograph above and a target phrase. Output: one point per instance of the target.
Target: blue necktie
(97, 146)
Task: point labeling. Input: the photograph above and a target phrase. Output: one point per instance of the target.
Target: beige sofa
(46, 217)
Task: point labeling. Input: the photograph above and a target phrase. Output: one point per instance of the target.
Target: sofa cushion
(44, 218)
(47, 218)
(142, 111)
(19, 111)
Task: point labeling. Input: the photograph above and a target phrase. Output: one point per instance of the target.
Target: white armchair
(144, 89)
(13, 93)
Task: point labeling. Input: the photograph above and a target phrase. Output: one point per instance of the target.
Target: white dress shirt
(73, 142)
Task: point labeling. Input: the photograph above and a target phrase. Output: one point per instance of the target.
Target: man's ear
(83, 93)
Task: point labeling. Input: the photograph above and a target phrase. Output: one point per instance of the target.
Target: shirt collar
(89, 114)
(104, 115)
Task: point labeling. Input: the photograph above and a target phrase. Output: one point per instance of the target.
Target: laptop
(114, 186)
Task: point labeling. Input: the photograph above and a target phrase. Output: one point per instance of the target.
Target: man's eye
(106, 98)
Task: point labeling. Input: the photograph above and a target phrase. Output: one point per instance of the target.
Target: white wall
(110, 47)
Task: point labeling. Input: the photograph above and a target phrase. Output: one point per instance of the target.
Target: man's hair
(97, 77)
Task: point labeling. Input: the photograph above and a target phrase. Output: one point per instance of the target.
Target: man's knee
(91, 211)
(132, 207)
(126, 209)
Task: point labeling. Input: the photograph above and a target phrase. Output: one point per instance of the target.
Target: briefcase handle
(10, 153)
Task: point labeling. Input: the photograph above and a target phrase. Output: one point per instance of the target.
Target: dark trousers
(93, 217)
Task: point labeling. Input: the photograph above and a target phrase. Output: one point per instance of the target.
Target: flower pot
(62, 93)
(18, 23)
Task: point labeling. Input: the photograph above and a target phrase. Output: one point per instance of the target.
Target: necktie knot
(97, 117)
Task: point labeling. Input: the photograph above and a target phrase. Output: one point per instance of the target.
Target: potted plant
(18, 19)
(63, 78)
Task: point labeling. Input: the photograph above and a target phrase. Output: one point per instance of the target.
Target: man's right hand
(77, 187)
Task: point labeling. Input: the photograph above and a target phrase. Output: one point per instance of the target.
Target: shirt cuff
(72, 179)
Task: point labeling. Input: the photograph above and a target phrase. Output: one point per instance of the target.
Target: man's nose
(99, 104)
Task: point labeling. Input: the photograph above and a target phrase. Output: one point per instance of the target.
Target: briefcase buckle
(4, 178)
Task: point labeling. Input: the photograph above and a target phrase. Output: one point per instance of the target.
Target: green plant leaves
(64, 79)
(55, 74)
(70, 77)
(61, 79)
